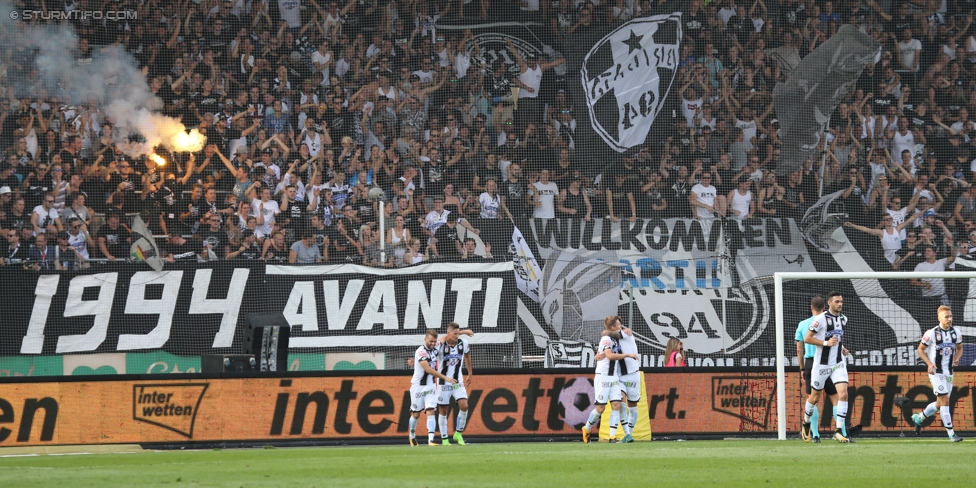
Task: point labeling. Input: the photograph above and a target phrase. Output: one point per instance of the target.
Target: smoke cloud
(112, 79)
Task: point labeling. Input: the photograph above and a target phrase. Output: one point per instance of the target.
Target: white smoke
(112, 79)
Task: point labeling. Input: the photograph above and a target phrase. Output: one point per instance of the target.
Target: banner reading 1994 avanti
(189, 310)
(359, 406)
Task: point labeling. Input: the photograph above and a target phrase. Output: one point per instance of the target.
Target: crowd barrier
(331, 407)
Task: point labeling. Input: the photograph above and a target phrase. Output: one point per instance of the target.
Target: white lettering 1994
(136, 303)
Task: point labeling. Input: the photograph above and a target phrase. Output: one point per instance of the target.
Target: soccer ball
(576, 400)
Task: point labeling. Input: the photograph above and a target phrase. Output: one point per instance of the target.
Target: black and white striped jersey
(421, 377)
(451, 359)
(825, 326)
(940, 347)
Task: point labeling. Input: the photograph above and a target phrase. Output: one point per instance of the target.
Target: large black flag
(815, 88)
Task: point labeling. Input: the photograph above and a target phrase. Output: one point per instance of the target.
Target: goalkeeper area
(887, 317)
(874, 462)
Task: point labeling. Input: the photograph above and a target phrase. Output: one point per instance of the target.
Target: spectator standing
(266, 210)
(490, 212)
(530, 84)
(398, 237)
(674, 354)
(544, 196)
(573, 202)
(911, 252)
(933, 288)
(889, 235)
(741, 202)
(620, 198)
(446, 244)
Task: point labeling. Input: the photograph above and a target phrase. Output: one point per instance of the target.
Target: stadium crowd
(307, 109)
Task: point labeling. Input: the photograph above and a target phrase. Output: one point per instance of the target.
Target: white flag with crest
(527, 269)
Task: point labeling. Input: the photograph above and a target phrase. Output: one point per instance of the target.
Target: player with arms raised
(452, 351)
(423, 387)
(605, 382)
(826, 332)
(941, 349)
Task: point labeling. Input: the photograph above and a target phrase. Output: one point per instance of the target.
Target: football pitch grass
(870, 462)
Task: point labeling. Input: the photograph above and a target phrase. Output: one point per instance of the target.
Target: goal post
(780, 278)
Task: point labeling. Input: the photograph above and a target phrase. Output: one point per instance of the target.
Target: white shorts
(837, 373)
(607, 389)
(630, 384)
(423, 397)
(447, 391)
(941, 384)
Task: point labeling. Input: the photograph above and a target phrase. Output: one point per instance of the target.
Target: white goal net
(887, 315)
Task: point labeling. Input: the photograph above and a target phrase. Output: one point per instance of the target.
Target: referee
(804, 354)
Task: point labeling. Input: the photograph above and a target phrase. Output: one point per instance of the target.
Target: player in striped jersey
(805, 353)
(605, 382)
(829, 362)
(628, 376)
(423, 388)
(452, 351)
(941, 349)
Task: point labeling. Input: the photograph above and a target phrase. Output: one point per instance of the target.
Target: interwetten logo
(749, 398)
(170, 406)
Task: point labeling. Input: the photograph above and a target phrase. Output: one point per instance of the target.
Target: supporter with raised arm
(530, 84)
(888, 234)
(892, 202)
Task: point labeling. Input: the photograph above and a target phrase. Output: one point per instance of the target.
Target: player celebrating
(423, 389)
(605, 382)
(451, 352)
(804, 354)
(628, 375)
(941, 349)
(829, 362)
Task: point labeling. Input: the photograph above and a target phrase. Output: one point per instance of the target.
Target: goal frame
(780, 277)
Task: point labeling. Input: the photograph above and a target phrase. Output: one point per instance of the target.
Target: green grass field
(872, 462)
